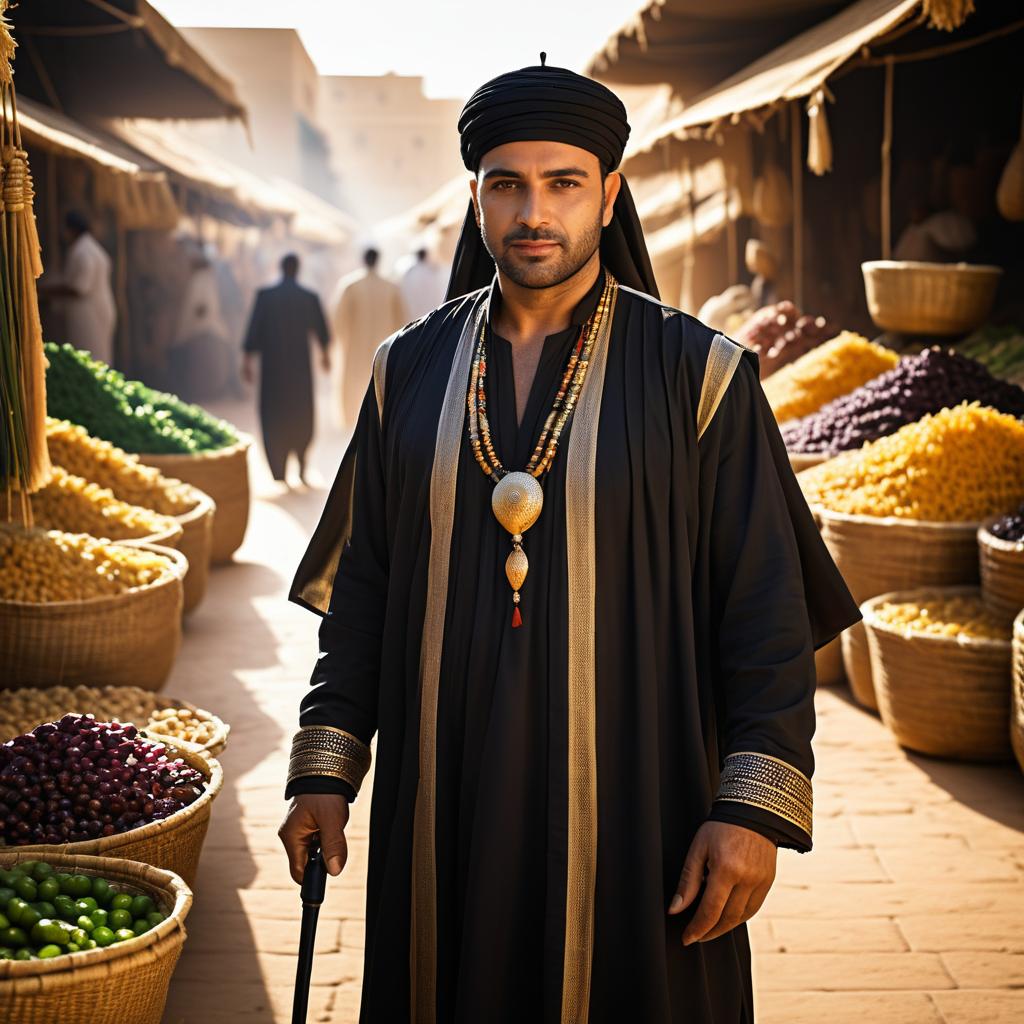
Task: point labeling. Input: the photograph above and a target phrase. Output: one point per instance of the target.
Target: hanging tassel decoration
(24, 461)
(947, 15)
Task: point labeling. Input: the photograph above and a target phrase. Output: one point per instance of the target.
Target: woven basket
(929, 298)
(22, 710)
(1017, 699)
(1002, 573)
(196, 544)
(876, 554)
(125, 983)
(130, 638)
(804, 460)
(172, 843)
(224, 475)
(857, 666)
(945, 696)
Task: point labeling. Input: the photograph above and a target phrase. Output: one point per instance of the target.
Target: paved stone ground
(910, 910)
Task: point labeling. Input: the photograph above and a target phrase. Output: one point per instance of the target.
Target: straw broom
(24, 461)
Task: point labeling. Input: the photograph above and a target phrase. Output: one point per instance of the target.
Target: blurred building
(391, 146)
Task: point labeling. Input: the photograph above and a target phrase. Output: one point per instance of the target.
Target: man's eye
(568, 181)
(505, 186)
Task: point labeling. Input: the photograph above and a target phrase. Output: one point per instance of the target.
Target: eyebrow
(561, 172)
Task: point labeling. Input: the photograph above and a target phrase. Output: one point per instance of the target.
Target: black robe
(283, 319)
(713, 590)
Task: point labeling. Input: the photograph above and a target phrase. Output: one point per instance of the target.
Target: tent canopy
(791, 71)
(114, 58)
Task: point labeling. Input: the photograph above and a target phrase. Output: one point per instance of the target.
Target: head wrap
(553, 105)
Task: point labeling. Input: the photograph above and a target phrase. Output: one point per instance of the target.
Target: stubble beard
(545, 271)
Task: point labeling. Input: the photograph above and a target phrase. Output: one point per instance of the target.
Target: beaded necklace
(518, 496)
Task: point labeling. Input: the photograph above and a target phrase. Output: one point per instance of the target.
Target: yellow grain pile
(49, 565)
(72, 448)
(76, 505)
(959, 465)
(956, 615)
(835, 368)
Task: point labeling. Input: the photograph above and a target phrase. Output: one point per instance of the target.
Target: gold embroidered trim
(761, 780)
(443, 478)
(723, 359)
(325, 750)
(581, 860)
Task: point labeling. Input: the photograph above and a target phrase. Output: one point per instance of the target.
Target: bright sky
(455, 45)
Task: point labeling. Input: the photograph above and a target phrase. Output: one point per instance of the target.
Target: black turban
(553, 105)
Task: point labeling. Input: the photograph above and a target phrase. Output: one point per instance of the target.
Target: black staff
(314, 884)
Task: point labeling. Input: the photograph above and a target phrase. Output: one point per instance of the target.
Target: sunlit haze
(454, 44)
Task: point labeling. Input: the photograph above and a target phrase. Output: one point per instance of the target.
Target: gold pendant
(517, 501)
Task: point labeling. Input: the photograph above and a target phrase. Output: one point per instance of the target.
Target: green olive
(13, 936)
(119, 919)
(121, 901)
(24, 953)
(26, 888)
(103, 936)
(123, 934)
(47, 952)
(42, 871)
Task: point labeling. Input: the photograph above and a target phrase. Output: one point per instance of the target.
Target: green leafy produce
(1000, 349)
(126, 412)
(72, 927)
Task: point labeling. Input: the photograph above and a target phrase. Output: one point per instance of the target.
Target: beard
(549, 270)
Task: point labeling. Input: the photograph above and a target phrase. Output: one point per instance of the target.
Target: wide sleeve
(762, 637)
(338, 714)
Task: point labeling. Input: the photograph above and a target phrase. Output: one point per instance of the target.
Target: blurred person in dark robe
(284, 320)
(570, 584)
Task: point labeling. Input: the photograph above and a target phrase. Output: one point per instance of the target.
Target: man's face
(541, 207)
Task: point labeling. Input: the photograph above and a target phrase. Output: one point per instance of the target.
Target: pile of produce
(1001, 349)
(780, 334)
(1010, 527)
(127, 412)
(76, 451)
(79, 779)
(953, 616)
(22, 710)
(76, 505)
(832, 369)
(963, 464)
(45, 913)
(934, 380)
(49, 565)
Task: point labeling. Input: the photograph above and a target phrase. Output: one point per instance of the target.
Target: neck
(528, 314)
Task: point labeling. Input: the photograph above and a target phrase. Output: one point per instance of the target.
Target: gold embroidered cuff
(769, 783)
(324, 750)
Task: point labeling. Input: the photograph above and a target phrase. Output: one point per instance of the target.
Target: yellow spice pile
(48, 565)
(826, 372)
(109, 466)
(956, 615)
(77, 505)
(958, 465)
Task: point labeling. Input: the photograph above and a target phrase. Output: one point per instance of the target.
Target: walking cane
(314, 884)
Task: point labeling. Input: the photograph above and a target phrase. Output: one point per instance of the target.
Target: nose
(532, 213)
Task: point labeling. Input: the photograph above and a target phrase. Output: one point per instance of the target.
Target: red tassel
(517, 619)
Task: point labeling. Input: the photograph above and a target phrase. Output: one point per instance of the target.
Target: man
(367, 309)
(423, 286)
(90, 310)
(560, 759)
(283, 320)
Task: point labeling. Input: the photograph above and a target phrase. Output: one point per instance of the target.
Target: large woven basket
(876, 554)
(22, 710)
(223, 475)
(857, 665)
(125, 983)
(929, 298)
(1002, 573)
(946, 696)
(1017, 697)
(130, 638)
(805, 460)
(196, 544)
(173, 843)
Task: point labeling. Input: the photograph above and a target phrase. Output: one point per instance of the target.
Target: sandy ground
(910, 910)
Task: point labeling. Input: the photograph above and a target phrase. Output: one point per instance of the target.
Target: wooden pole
(887, 161)
(797, 175)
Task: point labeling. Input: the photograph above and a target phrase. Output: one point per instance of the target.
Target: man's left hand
(741, 868)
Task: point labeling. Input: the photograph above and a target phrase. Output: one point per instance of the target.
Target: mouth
(539, 248)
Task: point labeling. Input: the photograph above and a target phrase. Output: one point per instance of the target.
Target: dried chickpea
(954, 616)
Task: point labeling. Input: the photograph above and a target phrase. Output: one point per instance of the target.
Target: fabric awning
(792, 71)
(683, 232)
(115, 58)
(138, 189)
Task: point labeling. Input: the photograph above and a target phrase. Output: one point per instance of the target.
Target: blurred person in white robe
(423, 285)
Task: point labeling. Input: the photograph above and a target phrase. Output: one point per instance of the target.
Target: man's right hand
(311, 814)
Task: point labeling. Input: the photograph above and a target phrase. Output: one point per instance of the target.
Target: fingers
(308, 818)
(710, 908)
(757, 898)
(297, 832)
(692, 874)
(732, 913)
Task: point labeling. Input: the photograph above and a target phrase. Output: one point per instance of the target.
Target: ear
(474, 190)
(612, 185)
